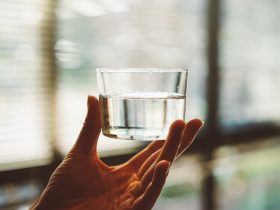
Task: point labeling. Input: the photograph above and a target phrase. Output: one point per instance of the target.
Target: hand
(83, 181)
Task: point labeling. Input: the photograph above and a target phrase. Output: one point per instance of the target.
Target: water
(140, 116)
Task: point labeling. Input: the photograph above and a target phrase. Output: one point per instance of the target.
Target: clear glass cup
(141, 103)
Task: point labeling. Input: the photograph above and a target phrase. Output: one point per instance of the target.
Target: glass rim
(141, 70)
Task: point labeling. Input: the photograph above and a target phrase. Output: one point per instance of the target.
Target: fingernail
(202, 123)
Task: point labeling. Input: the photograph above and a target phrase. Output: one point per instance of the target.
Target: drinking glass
(141, 103)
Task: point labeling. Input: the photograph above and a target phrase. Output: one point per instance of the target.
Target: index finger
(168, 152)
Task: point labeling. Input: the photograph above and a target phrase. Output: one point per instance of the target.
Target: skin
(83, 181)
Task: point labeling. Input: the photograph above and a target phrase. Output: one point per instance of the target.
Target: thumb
(87, 140)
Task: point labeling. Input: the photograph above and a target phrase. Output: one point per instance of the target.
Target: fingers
(137, 161)
(89, 134)
(148, 163)
(147, 200)
(172, 142)
(168, 152)
(189, 135)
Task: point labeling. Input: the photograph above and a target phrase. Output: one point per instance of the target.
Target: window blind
(24, 87)
(43, 98)
(250, 63)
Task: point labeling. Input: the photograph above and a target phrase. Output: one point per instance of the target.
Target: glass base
(140, 134)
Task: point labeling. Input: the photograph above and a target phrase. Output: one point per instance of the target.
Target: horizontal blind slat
(24, 86)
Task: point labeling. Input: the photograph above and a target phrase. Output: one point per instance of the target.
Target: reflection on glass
(125, 34)
(250, 62)
(248, 180)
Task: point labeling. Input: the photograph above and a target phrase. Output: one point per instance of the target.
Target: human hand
(82, 181)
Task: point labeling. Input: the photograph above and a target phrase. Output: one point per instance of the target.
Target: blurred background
(49, 50)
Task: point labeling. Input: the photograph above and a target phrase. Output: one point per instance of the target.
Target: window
(247, 176)
(249, 62)
(182, 187)
(24, 135)
(49, 51)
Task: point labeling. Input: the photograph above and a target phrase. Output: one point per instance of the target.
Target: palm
(83, 181)
(113, 184)
(95, 183)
